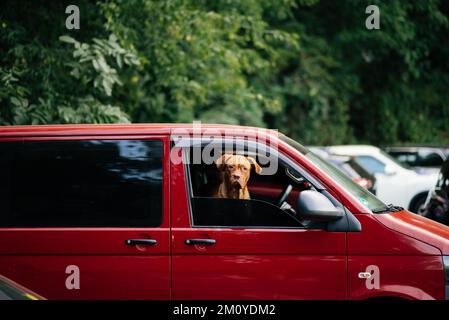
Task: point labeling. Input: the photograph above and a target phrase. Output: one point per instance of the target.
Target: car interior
(280, 189)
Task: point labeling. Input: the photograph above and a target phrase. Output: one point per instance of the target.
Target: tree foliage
(307, 67)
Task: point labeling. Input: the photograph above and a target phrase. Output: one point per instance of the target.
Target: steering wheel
(284, 195)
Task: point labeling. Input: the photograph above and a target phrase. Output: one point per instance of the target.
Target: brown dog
(235, 170)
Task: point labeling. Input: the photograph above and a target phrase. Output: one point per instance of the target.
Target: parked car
(10, 290)
(350, 167)
(437, 203)
(124, 212)
(419, 157)
(395, 183)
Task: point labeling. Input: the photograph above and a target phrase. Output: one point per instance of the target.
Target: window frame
(249, 144)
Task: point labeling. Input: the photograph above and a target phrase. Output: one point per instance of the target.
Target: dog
(235, 171)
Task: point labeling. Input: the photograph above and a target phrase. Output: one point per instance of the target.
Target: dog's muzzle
(237, 184)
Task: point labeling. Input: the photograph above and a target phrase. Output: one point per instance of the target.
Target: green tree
(45, 80)
(307, 67)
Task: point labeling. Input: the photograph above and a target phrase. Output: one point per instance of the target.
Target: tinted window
(219, 212)
(107, 183)
(371, 164)
(431, 159)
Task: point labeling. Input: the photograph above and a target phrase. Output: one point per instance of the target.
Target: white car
(396, 184)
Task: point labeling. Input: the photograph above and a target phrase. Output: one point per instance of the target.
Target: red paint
(377, 239)
(243, 263)
(401, 276)
(418, 227)
(259, 264)
(409, 268)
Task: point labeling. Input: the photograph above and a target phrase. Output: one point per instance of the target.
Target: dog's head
(237, 169)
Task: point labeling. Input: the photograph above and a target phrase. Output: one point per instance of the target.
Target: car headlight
(446, 275)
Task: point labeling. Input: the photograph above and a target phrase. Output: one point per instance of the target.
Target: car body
(395, 183)
(419, 157)
(119, 212)
(10, 290)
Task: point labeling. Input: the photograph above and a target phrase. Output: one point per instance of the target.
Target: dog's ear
(256, 166)
(220, 162)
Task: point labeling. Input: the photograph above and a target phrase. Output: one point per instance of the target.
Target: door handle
(147, 242)
(200, 241)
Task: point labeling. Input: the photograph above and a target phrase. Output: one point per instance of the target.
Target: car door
(273, 258)
(86, 218)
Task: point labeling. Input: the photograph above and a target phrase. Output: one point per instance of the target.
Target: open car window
(260, 210)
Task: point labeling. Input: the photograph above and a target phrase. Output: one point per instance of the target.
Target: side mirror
(314, 206)
(389, 170)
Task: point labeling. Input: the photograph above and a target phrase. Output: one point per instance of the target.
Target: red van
(125, 212)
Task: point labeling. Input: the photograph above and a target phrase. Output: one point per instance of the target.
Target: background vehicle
(355, 172)
(10, 290)
(350, 167)
(396, 183)
(419, 157)
(437, 204)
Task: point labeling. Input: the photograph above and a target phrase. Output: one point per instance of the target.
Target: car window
(260, 210)
(211, 212)
(430, 159)
(410, 158)
(94, 183)
(394, 160)
(371, 164)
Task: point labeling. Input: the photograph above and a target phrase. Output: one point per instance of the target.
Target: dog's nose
(236, 176)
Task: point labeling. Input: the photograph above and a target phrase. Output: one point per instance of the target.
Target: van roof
(127, 129)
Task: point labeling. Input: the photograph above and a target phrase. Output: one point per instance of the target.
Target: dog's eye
(231, 167)
(245, 169)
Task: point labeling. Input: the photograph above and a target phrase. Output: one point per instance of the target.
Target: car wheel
(417, 205)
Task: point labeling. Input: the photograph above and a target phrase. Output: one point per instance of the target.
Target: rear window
(85, 183)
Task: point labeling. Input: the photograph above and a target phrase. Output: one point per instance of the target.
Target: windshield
(364, 196)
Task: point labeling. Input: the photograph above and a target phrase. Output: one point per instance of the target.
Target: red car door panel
(259, 264)
(100, 277)
(246, 263)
